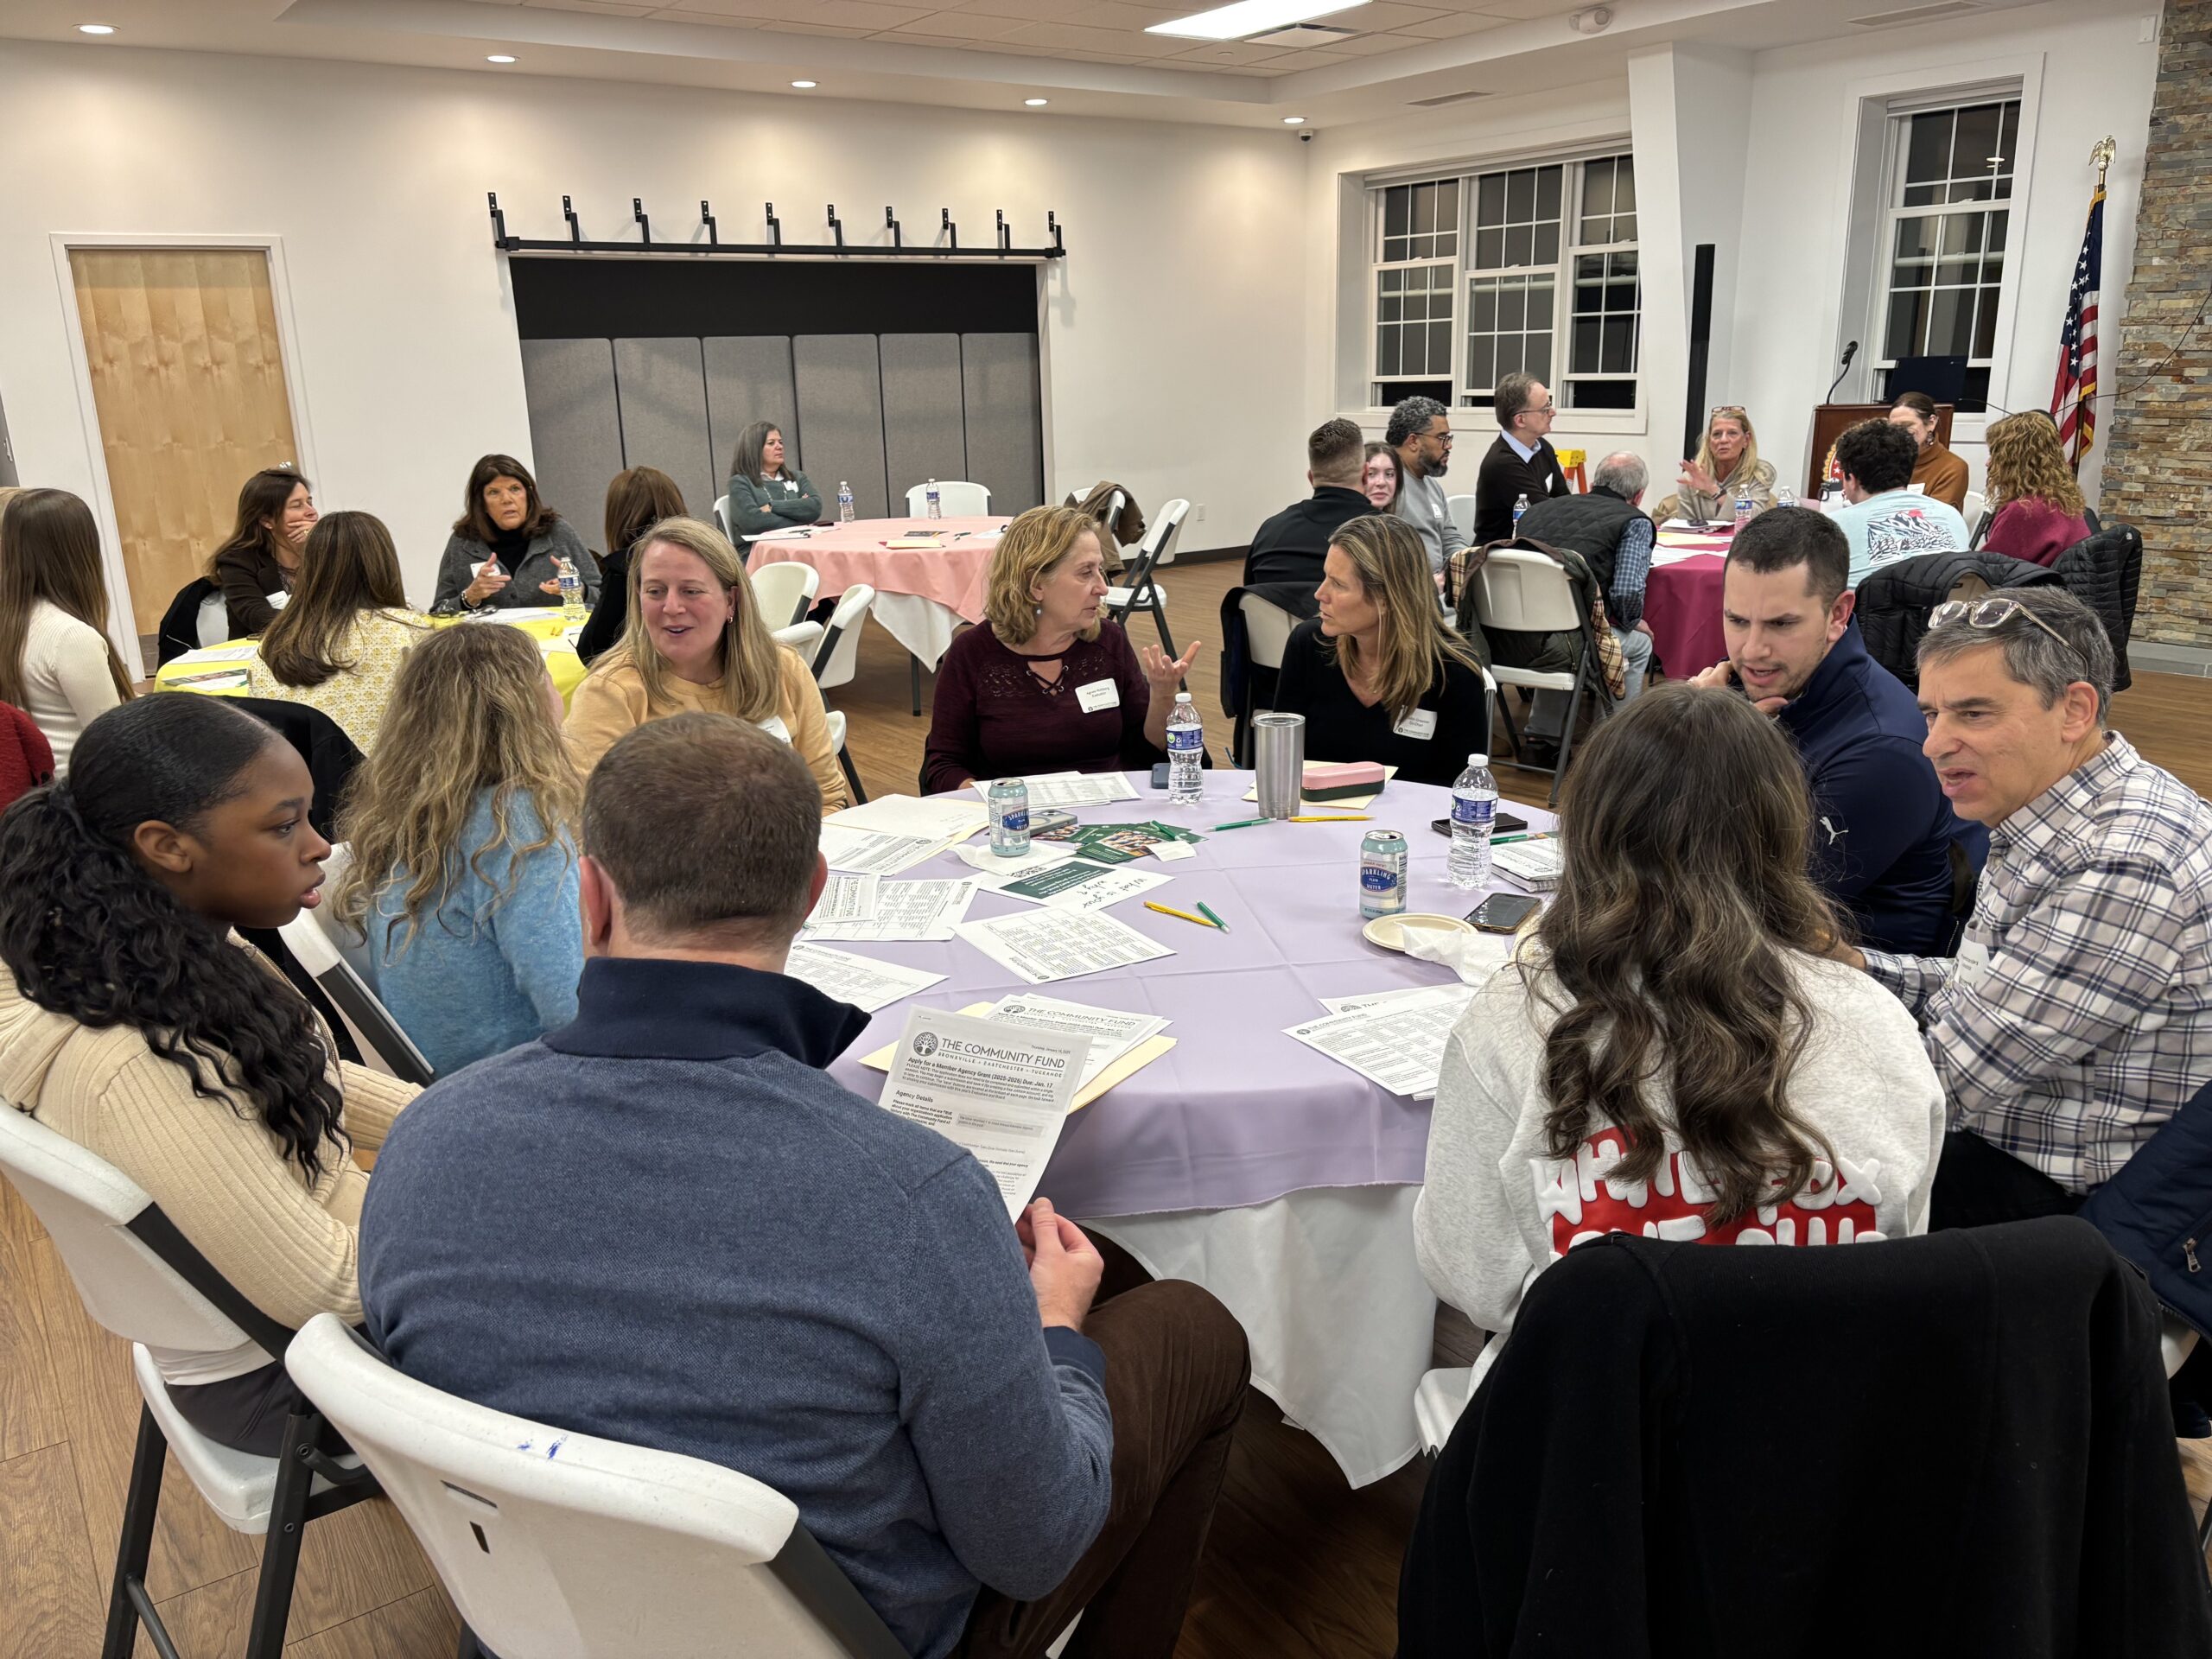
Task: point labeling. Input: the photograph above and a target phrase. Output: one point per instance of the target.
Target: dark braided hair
(88, 933)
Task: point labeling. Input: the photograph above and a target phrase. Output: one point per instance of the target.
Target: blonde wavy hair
(467, 714)
(2026, 458)
(1747, 462)
(1413, 641)
(750, 661)
(1034, 545)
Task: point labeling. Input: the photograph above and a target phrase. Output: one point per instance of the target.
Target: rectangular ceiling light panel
(1249, 17)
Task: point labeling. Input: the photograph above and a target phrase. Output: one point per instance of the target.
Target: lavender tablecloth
(1237, 1113)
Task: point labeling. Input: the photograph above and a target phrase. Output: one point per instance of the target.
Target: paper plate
(1385, 930)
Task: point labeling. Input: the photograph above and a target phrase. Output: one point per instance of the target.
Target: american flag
(2073, 400)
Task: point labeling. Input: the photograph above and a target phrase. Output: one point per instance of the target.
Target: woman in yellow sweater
(694, 639)
(133, 1022)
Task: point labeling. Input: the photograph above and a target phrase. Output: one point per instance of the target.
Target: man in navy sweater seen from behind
(1886, 845)
(664, 1224)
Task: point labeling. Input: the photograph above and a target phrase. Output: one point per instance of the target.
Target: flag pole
(2101, 154)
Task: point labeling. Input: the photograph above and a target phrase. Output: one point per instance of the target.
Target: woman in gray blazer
(504, 547)
(764, 493)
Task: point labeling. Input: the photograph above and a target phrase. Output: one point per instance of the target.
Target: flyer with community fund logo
(1001, 1091)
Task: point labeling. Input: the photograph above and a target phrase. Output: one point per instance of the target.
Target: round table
(1243, 1160)
(555, 634)
(922, 595)
(1681, 601)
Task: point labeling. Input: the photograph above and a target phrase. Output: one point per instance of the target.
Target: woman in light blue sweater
(463, 876)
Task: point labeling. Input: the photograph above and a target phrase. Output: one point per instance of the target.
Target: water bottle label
(1185, 739)
(1472, 809)
(1378, 878)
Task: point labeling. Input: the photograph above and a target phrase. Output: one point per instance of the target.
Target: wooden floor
(1299, 1567)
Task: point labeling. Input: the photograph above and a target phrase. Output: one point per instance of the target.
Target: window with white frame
(1948, 209)
(1546, 256)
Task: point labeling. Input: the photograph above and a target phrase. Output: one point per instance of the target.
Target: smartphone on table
(1501, 823)
(1504, 912)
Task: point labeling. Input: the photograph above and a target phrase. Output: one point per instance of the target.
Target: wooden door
(189, 378)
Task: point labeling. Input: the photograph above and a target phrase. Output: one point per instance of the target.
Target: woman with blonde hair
(55, 662)
(338, 644)
(1727, 465)
(462, 834)
(2038, 508)
(1380, 674)
(1045, 682)
(696, 639)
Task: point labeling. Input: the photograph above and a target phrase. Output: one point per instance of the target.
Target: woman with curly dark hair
(133, 1022)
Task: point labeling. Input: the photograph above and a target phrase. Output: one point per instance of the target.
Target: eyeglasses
(1444, 438)
(1991, 613)
(1540, 409)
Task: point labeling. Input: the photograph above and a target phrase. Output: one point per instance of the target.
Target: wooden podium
(1828, 422)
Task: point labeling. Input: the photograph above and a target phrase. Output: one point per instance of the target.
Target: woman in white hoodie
(1670, 1053)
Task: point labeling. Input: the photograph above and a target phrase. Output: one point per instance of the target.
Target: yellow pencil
(1349, 817)
(1185, 914)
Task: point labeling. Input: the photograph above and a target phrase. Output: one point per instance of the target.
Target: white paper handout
(1043, 945)
(846, 896)
(863, 982)
(1112, 1032)
(909, 815)
(245, 653)
(1070, 789)
(1001, 1091)
(866, 852)
(904, 910)
(1397, 1043)
(1369, 999)
(1084, 886)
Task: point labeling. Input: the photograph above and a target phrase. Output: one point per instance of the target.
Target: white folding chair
(1462, 510)
(800, 637)
(784, 590)
(320, 951)
(837, 658)
(564, 1546)
(1521, 591)
(1144, 591)
(140, 1279)
(1266, 633)
(1976, 509)
(212, 621)
(956, 498)
(838, 728)
(722, 516)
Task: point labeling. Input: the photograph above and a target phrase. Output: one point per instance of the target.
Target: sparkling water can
(1009, 806)
(1382, 873)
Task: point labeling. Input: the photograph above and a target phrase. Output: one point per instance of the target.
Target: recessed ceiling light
(1036, 103)
(1234, 23)
(804, 86)
(1293, 120)
(96, 28)
(498, 57)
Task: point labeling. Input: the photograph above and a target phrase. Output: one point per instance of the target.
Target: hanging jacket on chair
(1544, 654)
(1895, 600)
(2103, 571)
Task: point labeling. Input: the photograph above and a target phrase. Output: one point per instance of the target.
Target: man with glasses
(1522, 461)
(1421, 431)
(2077, 1016)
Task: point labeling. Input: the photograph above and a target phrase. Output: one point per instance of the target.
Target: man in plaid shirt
(2077, 1015)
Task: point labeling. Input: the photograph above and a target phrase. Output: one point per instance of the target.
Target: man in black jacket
(1522, 461)
(1290, 546)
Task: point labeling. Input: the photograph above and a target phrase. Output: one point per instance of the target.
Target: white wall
(1775, 346)
(1173, 361)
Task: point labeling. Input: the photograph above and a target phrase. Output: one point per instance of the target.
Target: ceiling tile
(862, 14)
(1523, 9)
(1453, 26)
(962, 25)
(777, 25)
(1367, 46)
(1114, 42)
(611, 7)
(1212, 52)
(753, 10)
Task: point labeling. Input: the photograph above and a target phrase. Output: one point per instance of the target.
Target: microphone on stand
(1849, 352)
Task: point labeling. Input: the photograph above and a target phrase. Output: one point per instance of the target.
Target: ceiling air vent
(1447, 98)
(1921, 14)
(1299, 35)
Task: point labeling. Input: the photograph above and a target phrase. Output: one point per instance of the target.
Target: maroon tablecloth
(1681, 602)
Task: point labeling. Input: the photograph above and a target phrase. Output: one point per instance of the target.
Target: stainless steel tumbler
(1279, 758)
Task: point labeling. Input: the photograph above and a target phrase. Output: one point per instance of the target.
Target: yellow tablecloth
(229, 670)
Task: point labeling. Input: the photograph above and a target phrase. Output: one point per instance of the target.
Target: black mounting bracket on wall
(897, 248)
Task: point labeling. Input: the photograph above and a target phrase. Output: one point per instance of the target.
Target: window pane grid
(1421, 221)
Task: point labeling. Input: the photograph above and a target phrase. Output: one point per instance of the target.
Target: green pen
(1215, 919)
(1532, 835)
(1241, 823)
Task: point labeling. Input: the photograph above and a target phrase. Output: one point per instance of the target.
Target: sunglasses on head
(1991, 613)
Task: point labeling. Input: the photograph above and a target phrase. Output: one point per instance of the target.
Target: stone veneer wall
(2158, 470)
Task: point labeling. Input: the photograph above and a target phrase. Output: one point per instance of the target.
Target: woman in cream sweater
(133, 1022)
(696, 639)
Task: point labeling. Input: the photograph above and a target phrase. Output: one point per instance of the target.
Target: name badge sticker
(1420, 725)
(1104, 694)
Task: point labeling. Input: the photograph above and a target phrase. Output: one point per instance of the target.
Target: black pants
(1979, 1185)
(247, 1413)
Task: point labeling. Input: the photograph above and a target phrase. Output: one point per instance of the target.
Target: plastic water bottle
(572, 589)
(1785, 496)
(1519, 506)
(844, 502)
(937, 505)
(1746, 510)
(1474, 807)
(1186, 745)
(1008, 801)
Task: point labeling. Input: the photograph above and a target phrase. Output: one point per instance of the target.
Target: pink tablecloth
(952, 575)
(1681, 603)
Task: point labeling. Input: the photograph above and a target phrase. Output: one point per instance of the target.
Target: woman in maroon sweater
(2031, 490)
(1044, 684)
